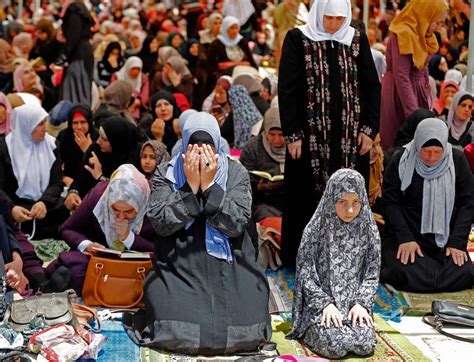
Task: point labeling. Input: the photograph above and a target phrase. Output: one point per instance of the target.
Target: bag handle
(436, 324)
(99, 267)
(83, 312)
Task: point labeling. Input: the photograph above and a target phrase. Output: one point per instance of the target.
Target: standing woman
(329, 117)
(77, 81)
(405, 83)
(337, 272)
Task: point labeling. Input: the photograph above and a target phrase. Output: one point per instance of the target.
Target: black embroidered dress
(328, 93)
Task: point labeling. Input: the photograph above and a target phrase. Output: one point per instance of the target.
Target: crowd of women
(175, 130)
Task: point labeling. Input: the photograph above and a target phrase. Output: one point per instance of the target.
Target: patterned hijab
(314, 28)
(129, 185)
(159, 149)
(217, 243)
(246, 115)
(457, 128)
(6, 127)
(330, 247)
(411, 26)
(439, 180)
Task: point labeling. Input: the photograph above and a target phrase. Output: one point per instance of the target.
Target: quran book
(267, 176)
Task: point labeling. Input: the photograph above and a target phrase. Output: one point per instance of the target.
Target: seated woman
(152, 154)
(461, 130)
(25, 80)
(132, 73)
(111, 63)
(428, 198)
(30, 174)
(112, 215)
(117, 98)
(228, 50)
(246, 119)
(216, 295)
(446, 94)
(337, 272)
(175, 77)
(116, 145)
(166, 113)
(75, 140)
(266, 152)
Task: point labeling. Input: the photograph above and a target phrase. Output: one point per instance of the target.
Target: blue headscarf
(217, 243)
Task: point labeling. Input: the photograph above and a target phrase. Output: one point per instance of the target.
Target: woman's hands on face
(208, 166)
(191, 167)
(200, 167)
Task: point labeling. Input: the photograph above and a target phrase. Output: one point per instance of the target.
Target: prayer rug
(419, 304)
(281, 290)
(118, 346)
(391, 345)
(389, 303)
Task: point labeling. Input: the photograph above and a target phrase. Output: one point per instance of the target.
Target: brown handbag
(115, 283)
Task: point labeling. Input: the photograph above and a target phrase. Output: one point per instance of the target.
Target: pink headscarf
(18, 83)
(6, 127)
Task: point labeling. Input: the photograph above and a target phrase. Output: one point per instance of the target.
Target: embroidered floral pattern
(319, 106)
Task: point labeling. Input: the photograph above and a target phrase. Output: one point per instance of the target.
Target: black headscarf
(408, 128)
(105, 59)
(71, 154)
(149, 59)
(192, 60)
(123, 138)
(169, 138)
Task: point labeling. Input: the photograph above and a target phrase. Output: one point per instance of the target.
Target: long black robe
(194, 302)
(301, 196)
(435, 272)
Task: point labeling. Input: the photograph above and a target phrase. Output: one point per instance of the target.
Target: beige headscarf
(6, 57)
(272, 120)
(411, 26)
(205, 36)
(117, 96)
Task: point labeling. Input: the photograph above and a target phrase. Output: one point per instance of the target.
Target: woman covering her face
(200, 206)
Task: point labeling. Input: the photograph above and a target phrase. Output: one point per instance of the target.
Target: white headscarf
(314, 28)
(224, 37)
(31, 161)
(126, 184)
(241, 9)
(122, 74)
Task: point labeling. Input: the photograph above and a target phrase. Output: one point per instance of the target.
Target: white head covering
(241, 9)
(29, 98)
(224, 37)
(122, 74)
(453, 74)
(126, 184)
(314, 28)
(31, 161)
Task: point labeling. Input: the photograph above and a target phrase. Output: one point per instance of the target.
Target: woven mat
(419, 304)
(118, 347)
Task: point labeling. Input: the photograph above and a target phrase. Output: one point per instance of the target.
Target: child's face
(348, 207)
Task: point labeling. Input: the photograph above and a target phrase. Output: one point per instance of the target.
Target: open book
(267, 176)
(124, 254)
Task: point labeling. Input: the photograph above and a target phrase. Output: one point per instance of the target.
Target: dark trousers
(433, 273)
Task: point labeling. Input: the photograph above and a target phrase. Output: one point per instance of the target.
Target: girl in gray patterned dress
(337, 272)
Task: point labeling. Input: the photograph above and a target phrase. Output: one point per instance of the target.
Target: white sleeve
(83, 245)
(128, 242)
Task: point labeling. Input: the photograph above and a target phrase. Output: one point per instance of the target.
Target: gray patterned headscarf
(456, 127)
(439, 180)
(129, 185)
(338, 262)
(245, 113)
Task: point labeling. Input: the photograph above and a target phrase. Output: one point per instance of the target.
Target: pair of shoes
(58, 282)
